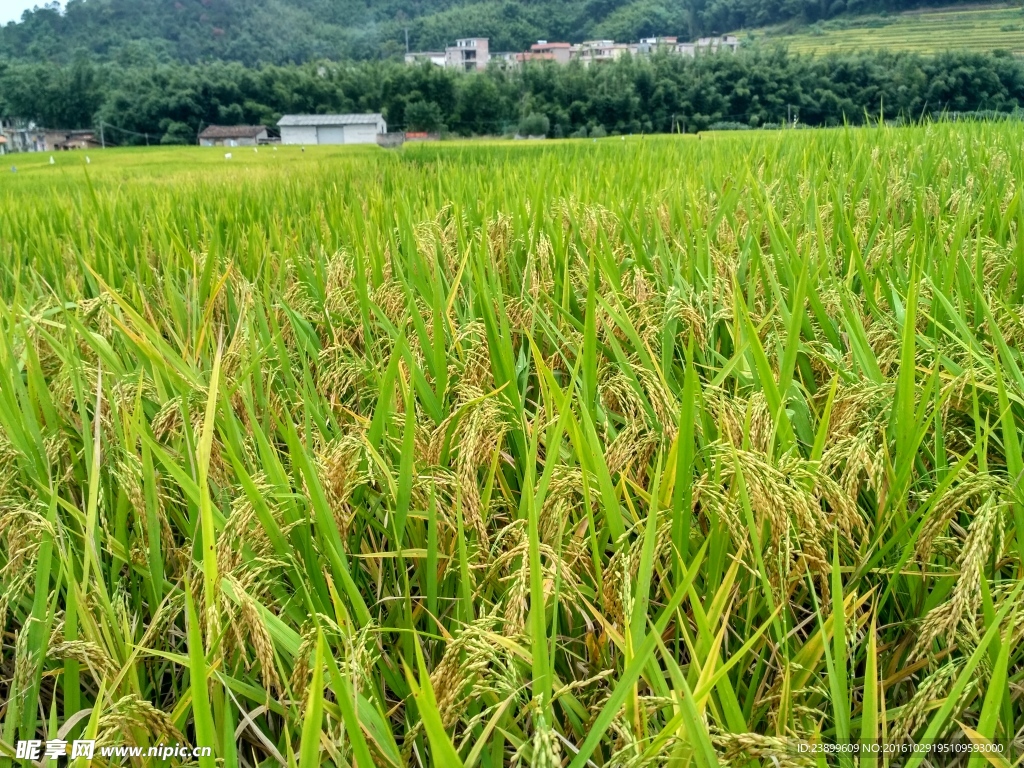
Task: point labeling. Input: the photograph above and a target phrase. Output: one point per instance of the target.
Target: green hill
(981, 29)
(283, 31)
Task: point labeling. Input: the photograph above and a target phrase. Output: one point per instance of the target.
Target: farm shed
(332, 129)
(232, 135)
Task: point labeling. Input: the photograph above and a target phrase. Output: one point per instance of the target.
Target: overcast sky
(11, 10)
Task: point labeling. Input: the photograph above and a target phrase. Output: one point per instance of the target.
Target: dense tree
(660, 94)
(534, 124)
(178, 133)
(66, 96)
(423, 115)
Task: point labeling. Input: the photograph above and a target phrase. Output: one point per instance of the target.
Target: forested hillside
(282, 31)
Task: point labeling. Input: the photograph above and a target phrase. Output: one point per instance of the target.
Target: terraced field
(963, 28)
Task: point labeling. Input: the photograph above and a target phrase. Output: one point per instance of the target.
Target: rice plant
(624, 453)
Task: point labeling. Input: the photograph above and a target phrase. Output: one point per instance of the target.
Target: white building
(507, 59)
(729, 43)
(469, 54)
(21, 136)
(332, 129)
(652, 44)
(592, 51)
(437, 58)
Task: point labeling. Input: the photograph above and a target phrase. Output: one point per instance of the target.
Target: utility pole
(103, 141)
(406, 39)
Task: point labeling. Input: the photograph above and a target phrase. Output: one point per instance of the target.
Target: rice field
(622, 453)
(963, 28)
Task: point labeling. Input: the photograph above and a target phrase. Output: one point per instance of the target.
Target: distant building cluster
(469, 54)
(473, 54)
(23, 136)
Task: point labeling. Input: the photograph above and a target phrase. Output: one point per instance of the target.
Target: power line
(123, 130)
(104, 125)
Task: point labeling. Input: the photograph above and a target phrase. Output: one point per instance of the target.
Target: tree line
(150, 101)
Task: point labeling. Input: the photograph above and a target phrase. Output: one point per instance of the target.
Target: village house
(233, 135)
(332, 129)
(506, 59)
(436, 58)
(64, 140)
(596, 51)
(542, 50)
(653, 44)
(21, 136)
(709, 45)
(469, 54)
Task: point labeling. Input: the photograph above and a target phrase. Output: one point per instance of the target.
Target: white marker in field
(87, 160)
(227, 155)
(52, 161)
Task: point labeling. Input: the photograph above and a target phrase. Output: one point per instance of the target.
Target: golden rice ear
(255, 630)
(130, 712)
(960, 611)
(740, 748)
(973, 492)
(301, 672)
(546, 747)
(90, 655)
(22, 530)
(935, 686)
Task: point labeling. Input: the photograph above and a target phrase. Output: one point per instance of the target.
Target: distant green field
(983, 29)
